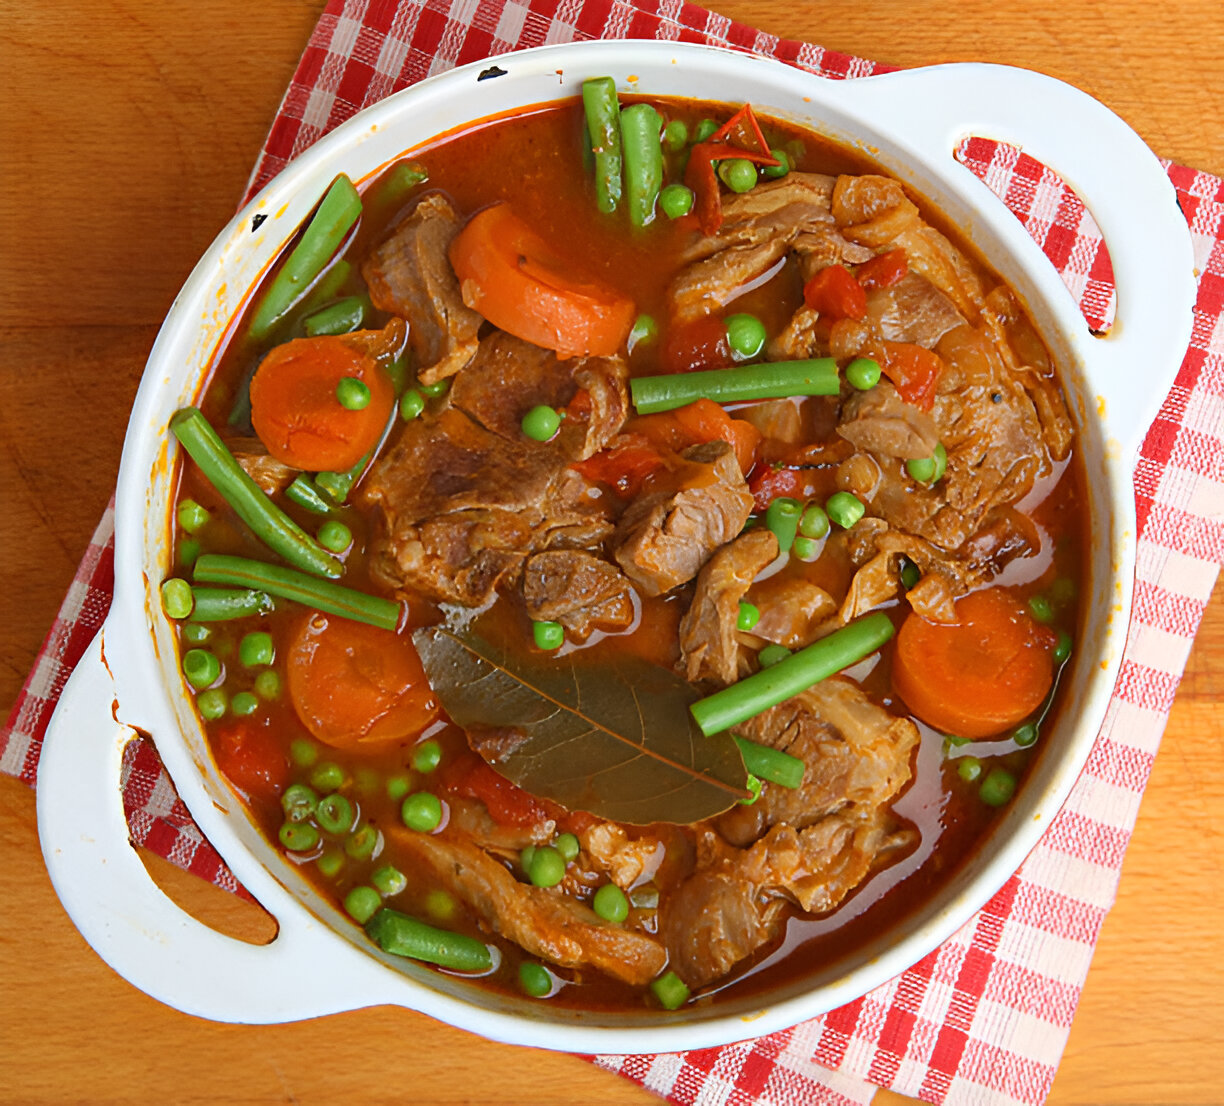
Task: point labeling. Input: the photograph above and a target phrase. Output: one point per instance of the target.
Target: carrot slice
(975, 677)
(296, 414)
(355, 685)
(512, 277)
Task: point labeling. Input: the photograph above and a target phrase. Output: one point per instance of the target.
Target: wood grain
(129, 130)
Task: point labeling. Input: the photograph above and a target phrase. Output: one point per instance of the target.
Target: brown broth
(532, 161)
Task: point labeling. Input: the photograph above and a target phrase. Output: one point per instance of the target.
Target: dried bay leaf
(615, 739)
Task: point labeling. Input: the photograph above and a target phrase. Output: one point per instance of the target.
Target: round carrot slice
(297, 414)
(976, 677)
(354, 685)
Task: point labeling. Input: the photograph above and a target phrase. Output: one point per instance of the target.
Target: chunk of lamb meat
(461, 508)
(666, 535)
(759, 228)
(410, 275)
(875, 212)
(811, 846)
(581, 591)
(508, 377)
(912, 310)
(879, 421)
(271, 476)
(709, 640)
(793, 610)
(543, 921)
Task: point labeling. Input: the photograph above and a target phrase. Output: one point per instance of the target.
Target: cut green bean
(782, 520)
(223, 604)
(641, 127)
(603, 125)
(770, 764)
(401, 180)
(339, 209)
(327, 286)
(844, 508)
(268, 522)
(342, 317)
(770, 380)
(220, 568)
(304, 493)
(671, 991)
(791, 675)
(402, 935)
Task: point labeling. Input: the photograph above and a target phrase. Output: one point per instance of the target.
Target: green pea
(330, 863)
(362, 903)
(910, 573)
(1062, 591)
(548, 635)
(968, 768)
(568, 846)
(863, 373)
(298, 837)
(675, 135)
(299, 802)
(929, 470)
(525, 856)
(645, 329)
(814, 522)
(737, 173)
(268, 685)
(1025, 735)
(437, 388)
(389, 880)
(671, 991)
(256, 649)
(353, 394)
(191, 516)
(421, 811)
(411, 404)
(244, 703)
(196, 633)
(335, 536)
(427, 756)
(547, 867)
(784, 166)
(676, 200)
(212, 704)
(535, 979)
(806, 549)
(749, 615)
(541, 423)
(745, 334)
(610, 903)
(398, 787)
(303, 752)
(998, 786)
(705, 128)
(440, 905)
(1039, 607)
(1063, 649)
(362, 843)
(201, 668)
(334, 813)
(177, 599)
(327, 776)
(771, 654)
(754, 785)
(844, 508)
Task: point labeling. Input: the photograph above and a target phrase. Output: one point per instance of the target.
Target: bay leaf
(615, 739)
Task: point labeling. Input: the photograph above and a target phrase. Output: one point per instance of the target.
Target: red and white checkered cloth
(984, 1018)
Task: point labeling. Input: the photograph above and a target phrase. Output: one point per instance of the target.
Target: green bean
(402, 935)
(325, 288)
(603, 125)
(792, 674)
(402, 179)
(641, 127)
(304, 493)
(333, 219)
(767, 763)
(342, 317)
(338, 485)
(771, 380)
(219, 568)
(782, 520)
(223, 604)
(270, 524)
(671, 991)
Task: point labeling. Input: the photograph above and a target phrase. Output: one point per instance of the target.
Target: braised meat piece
(410, 275)
(583, 592)
(666, 535)
(913, 310)
(879, 421)
(461, 508)
(508, 377)
(708, 638)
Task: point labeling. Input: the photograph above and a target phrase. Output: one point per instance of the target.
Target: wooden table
(128, 133)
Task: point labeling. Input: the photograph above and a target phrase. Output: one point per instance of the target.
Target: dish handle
(133, 925)
(1119, 180)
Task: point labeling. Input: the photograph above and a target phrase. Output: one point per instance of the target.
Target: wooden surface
(128, 133)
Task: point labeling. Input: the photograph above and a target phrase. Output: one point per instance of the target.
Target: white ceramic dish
(910, 122)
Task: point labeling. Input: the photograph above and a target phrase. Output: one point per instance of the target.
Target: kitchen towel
(985, 1017)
